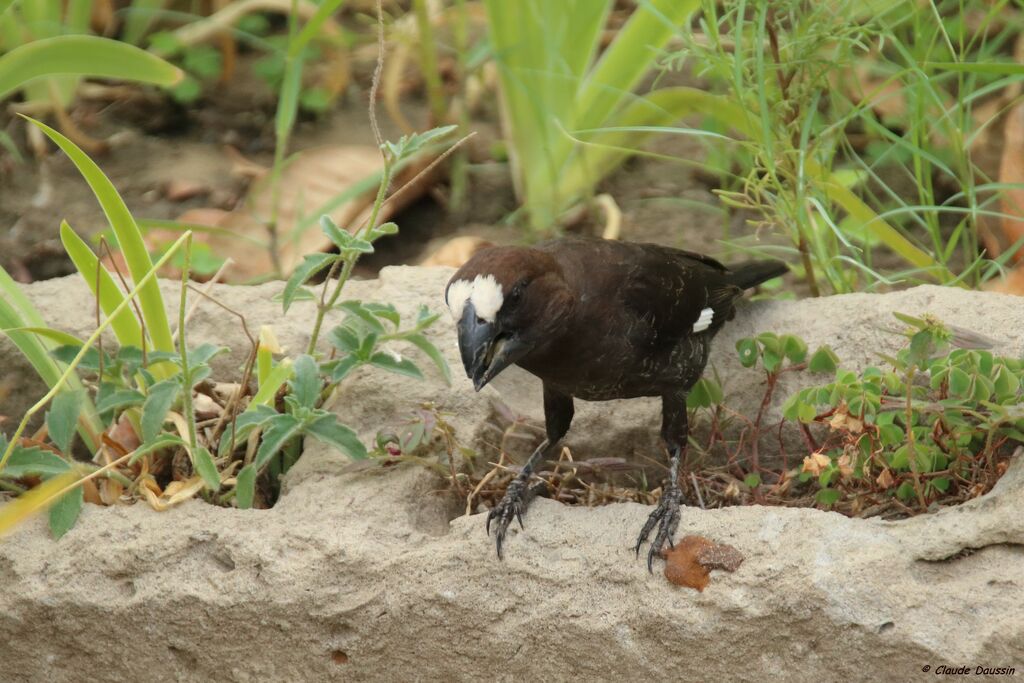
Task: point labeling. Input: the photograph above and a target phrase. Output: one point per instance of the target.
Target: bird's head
(507, 302)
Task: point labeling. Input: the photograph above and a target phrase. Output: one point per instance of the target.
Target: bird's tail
(752, 273)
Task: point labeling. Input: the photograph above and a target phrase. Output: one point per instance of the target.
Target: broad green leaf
(959, 382)
(278, 431)
(704, 394)
(753, 480)
(341, 238)
(64, 512)
(357, 309)
(154, 411)
(84, 56)
(328, 430)
(828, 496)
(245, 487)
(340, 368)
(396, 364)
(203, 462)
(747, 349)
(305, 383)
(62, 419)
(425, 345)
(385, 311)
(824, 361)
(344, 339)
(794, 348)
(32, 461)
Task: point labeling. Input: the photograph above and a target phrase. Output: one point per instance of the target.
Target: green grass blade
(629, 57)
(129, 237)
(125, 326)
(83, 56)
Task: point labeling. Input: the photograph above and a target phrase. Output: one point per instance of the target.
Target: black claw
(666, 517)
(511, 506)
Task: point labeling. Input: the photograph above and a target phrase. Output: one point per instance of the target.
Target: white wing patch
(485, 293)
(704, 321)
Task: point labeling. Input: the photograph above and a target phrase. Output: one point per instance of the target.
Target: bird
(596, 320)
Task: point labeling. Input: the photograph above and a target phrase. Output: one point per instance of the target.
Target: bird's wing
(680, 292)
(665, 294)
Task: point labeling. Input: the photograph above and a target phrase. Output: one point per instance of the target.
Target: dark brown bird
(597, 320)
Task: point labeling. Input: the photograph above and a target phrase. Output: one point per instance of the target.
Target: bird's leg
(674, 430)
(558, 412)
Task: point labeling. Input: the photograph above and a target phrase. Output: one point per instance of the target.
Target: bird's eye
(515, 295)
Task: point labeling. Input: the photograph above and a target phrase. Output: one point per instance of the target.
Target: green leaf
(331, 432)
(62, 419)
(424, 345)
(341, 238)
(278, 430)
(344, 339)
(824, 361)
(385, 311)
(64, 512)
(340, 368)
(921, 345)
(771, 360)
(310, 266)
(959, 382)
(83, 56)
(381, 230)
(32, 461)
(399, 365)
(305, 384)
(206, 468)
(245, 487)
(704, 394)
(828, 496)
(357, 309)
(794, 348)
(129, 237)
(154, 411)
(753, 480)
(747, 349)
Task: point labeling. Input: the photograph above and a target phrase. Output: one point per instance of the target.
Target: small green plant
(931, 425)
(125, 401)
(557, 89)
(812, 158)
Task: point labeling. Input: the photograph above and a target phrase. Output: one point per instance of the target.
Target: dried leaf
(885, 479)
(689, 563)
(815, 463)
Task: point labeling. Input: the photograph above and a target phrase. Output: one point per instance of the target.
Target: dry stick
(41, 403)
(229, 407)
(205, 292)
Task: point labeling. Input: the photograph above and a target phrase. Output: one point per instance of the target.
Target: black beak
(485, 351)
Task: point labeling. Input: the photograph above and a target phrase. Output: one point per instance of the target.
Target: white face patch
(704, 321)
(485, 293)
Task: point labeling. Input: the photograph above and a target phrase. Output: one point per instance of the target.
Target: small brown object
(180, 190)
(690, 562)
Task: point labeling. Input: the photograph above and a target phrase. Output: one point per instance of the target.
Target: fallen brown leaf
(815, 463)
(690, 562)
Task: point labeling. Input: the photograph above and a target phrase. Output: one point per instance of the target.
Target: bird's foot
(666, 517)
(512, 505)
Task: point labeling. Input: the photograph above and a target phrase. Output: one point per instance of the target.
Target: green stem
(348, 262)
(186, 373)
